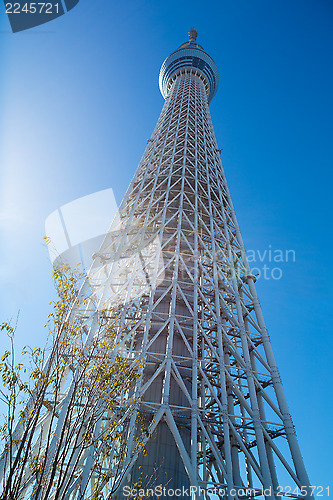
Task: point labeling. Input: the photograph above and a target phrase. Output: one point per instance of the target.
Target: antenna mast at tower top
(193, 33)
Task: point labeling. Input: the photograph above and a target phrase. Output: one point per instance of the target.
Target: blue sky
(79, 99)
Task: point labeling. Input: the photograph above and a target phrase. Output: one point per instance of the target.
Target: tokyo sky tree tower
(211, 390)
(174, 269)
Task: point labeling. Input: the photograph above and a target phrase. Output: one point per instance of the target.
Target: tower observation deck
(189, 55)
(174, 270)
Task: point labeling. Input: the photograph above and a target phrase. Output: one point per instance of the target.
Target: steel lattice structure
(175, 269)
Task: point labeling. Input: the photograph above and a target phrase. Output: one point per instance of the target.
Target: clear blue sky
(79, 98)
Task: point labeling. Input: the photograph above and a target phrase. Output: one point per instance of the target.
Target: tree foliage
(69, 407)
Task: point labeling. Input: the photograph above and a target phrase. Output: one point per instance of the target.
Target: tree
(70, 406)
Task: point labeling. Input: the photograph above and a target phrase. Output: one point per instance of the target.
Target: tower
(211, 390)
(173, 268)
